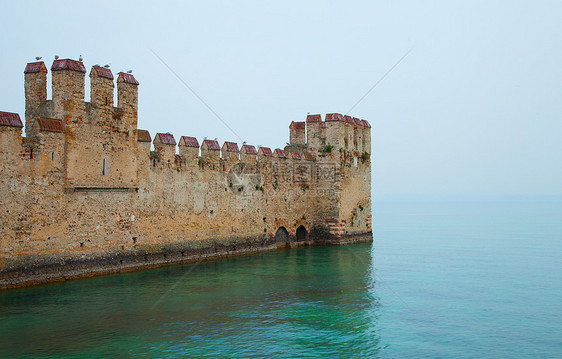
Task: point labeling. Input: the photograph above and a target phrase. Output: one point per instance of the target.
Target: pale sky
(474, 109)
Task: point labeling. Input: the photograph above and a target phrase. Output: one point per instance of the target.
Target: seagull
(244, 142)
(215, 138)
(205, 138)
(130, 71)
(56, 57)
(38, 58)
(80, 58)
(107, 66)
(97, 65)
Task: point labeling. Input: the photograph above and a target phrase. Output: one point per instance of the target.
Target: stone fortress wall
(83, 193)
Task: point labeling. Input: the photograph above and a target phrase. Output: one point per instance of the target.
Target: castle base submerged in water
(82, 193)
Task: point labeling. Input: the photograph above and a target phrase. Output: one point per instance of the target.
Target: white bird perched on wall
(80, 58)
(38, 58)
(215, 139)
(130, 71)
(97, 65)
(244, 142)
(56, 57)
(107, 66)
(205, 138)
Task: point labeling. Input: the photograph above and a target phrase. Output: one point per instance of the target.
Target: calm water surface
(442, 280)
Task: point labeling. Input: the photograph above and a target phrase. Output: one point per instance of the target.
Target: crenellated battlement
(107, 135)
(68, 92)
(334, 139)
(85, 180)
(336, 132)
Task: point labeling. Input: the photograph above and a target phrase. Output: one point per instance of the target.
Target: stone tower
(35, 92)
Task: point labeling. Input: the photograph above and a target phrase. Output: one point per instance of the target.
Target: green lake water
(441, 280)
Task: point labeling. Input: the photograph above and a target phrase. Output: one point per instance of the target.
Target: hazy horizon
(473, 110)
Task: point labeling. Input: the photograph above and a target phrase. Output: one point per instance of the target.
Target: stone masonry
(82, 193)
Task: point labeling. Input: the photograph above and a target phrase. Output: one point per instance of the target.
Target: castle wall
(169, 206)
(85, 185)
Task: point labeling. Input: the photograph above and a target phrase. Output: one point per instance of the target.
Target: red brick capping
(127, 78)
(10, 119)
(265, 151)
(188, 141)
(34, 67)
(50, 125)
(143, 136)
(68, 64)
(334, 117)
(297, 125)
(295, 155)
(231, 146)
(211, 145)
(280, 153)
(313, 118)
(165, 138)
(249, 150)
(101, 72)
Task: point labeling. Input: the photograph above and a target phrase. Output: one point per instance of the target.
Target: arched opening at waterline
(302, 234)
(282, 235)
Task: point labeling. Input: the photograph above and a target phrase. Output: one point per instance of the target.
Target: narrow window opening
(31, 153)
(52, 155)
(103, 168)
